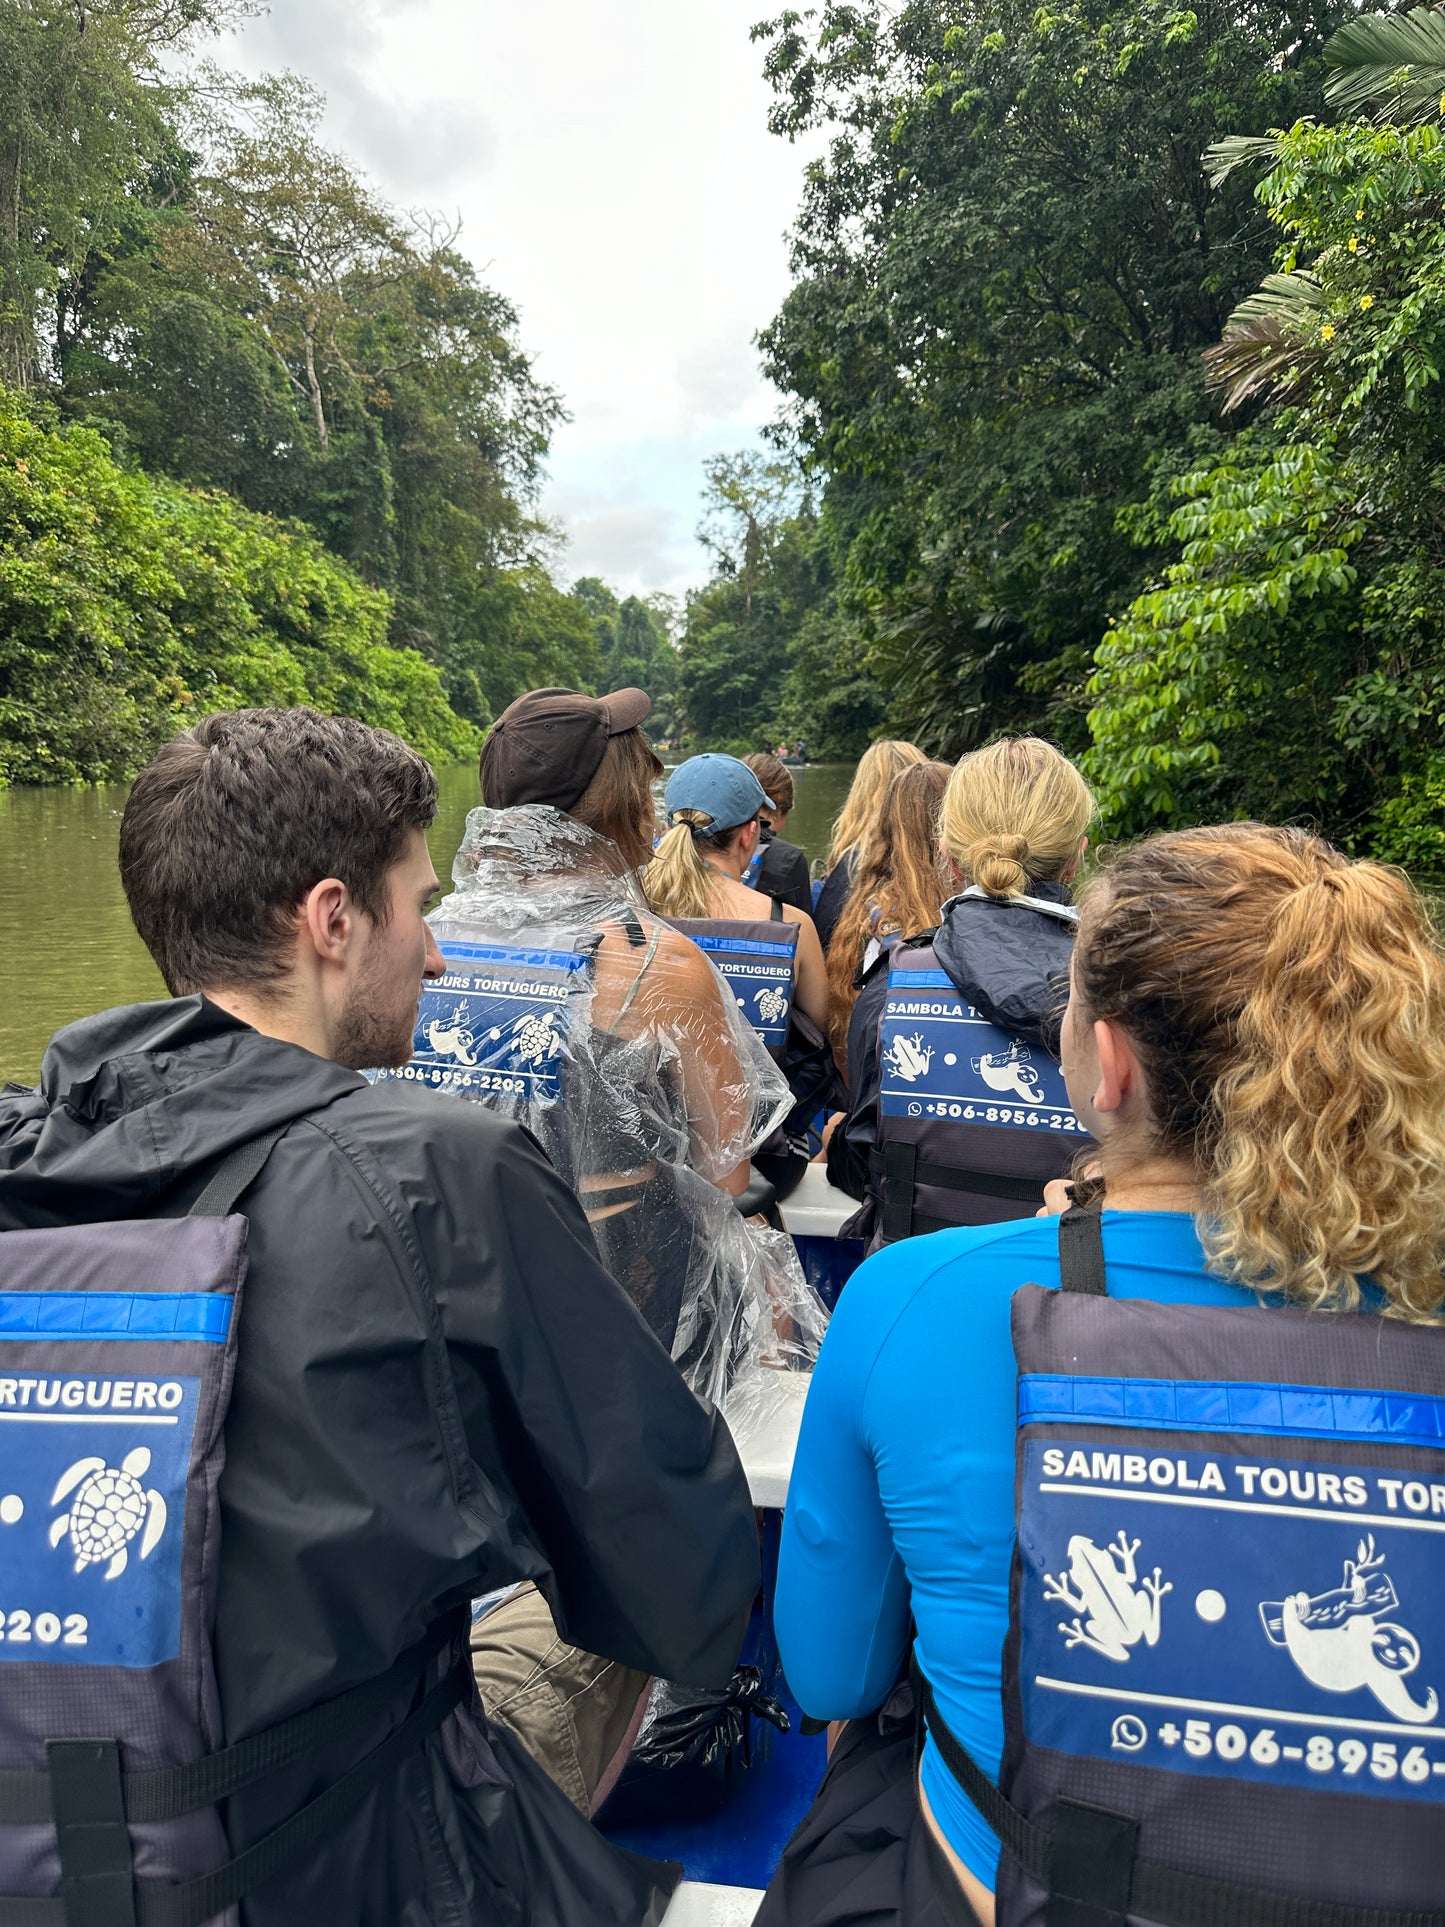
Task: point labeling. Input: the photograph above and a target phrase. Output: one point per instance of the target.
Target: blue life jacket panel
(972, 1123)
(758, 962)
(1225, 1636)
(495, 1025)
(940, 1058)
(117, 1353)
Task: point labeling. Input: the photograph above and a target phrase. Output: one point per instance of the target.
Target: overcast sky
(612, 167)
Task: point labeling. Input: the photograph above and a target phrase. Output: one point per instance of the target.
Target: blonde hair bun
(1014, 815)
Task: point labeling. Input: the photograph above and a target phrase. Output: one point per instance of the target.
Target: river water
(71, 948)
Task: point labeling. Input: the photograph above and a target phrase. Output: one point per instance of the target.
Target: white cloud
(616, 181)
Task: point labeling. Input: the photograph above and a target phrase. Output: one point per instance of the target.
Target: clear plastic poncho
(568, 1005)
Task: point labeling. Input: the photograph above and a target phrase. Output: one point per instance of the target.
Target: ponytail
(677, 883)
(1288, 1008)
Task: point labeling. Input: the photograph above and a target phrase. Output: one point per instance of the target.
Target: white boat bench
(817, 1209)
(697, 1905)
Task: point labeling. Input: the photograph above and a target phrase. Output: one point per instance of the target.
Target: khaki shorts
(569, 1709)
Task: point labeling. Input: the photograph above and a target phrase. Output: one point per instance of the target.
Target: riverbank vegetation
(1112, 409)
(264, 437)
(1112, 369)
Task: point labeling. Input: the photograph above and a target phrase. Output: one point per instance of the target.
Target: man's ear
(328, 920)
(1119, 1076)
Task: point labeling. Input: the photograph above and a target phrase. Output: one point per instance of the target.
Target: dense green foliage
(1007, 267)
(1292, 663)
(766, 654)
(187, 269)
(129, 605)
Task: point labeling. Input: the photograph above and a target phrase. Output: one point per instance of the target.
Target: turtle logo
(772, 1004)
(108, 1511)
(535, 1039)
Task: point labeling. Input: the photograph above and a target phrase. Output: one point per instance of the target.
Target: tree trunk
(18, 361)
(313, 384)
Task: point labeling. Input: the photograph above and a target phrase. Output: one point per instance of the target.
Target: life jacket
(972, 1123)
(117, 1351)
(496, 1023)
(1224, 1674)
(758, 962)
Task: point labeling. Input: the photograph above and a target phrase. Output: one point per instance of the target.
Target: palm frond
(1390, 63)
(1270, 349)
(1237, 150)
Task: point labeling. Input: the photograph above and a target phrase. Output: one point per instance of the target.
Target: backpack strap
(236, 1173)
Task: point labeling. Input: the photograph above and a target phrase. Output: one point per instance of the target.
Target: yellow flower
(1354, 243)
(1359, 211)
(1367, 301)
(1327, 333)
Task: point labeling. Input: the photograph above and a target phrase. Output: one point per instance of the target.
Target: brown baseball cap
(547, 745)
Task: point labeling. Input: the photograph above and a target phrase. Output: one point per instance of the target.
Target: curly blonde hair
(898, 887)
(1288, 1008)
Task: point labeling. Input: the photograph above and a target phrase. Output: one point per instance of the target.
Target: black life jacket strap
(236, 1173)
(1087, 1865)
(106, 1896)
(900, 1171)
(1081, 1252)
(775, 915)
(167, 1793)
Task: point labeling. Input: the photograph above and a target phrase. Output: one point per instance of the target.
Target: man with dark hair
(438, 1390)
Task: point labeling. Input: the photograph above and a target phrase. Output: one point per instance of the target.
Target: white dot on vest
(1210, 1605)
(949, 1058)
(12, 1507)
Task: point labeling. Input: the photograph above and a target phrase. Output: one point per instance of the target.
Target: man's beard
(369, 1036)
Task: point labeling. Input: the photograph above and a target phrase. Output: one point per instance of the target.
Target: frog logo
(1112, 1609)
(1011, 1071)
(453, 1038)
(909, 1057)
(772, 1005)
(1339, 1641)
(108, 1511)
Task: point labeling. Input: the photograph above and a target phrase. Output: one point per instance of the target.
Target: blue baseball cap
(725, 790)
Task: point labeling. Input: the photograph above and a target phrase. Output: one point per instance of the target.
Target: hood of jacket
(1011, 962)
(135, 1101)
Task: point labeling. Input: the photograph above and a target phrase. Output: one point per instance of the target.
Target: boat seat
(697, 1905)
(817, 1209)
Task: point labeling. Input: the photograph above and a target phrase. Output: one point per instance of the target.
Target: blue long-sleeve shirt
(902, 1492)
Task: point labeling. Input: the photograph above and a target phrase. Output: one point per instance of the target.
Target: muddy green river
(70, 948)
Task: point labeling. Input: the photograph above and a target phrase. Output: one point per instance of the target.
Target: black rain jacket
(1010, 962)
(784, 873)
(438, 1391)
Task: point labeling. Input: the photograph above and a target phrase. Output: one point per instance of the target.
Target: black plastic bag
(692, 1750)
